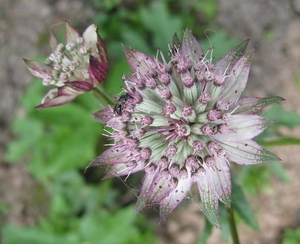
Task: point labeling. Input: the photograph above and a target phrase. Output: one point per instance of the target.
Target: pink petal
(247, 152)
(79, 86)
(104, 115)
(139, 61)
(53, 41)
(230, 58)
(144, 191)
(108, 117)
(209, 201)
(57, 101)
(176, 42)
(253, 105)
(38, 69)
(122, 169)
(98, 70)
(243, 127)
(102, 50)
(169, 203)
(67, 91)
(160, 189)
(235, 84)
(90, 36)
(190, 46)
(92, 39)
(155, 191)
(219, 181)
(113, 155)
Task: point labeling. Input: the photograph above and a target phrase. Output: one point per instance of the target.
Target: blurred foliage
(258, 177)
(54, 140)
(149, 25)
(298, 81)
(291, 236)
(58, 143)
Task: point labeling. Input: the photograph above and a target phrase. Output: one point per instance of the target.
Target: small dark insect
(120, 103)
(199, 158)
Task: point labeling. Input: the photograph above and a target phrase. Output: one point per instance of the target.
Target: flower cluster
(183, 122)
(75, 67)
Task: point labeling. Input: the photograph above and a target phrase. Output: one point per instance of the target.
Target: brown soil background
(275, 68)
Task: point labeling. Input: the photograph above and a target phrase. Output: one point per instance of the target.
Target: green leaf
(136, 41)
(87, 102)
(206, 232)
(219, 39)
(110, 229)
(242, 208)
(163, 25)
(57, 139)
(29, 131)
(114, 80)
(255, 178)
(224, 223)
(283, 117)
(298, 80)
(32, 235)
(69, 114)
(291, 236)
(283, 141)
(278, 169)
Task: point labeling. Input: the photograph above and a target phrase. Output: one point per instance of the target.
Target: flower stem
(232, 225)
(103, 96)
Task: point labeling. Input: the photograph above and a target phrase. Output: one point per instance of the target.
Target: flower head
(75, 67)
(182, 123)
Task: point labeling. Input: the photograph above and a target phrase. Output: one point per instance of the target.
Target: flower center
(182, 130)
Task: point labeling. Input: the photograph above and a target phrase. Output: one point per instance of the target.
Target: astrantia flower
(183, 122)
(75, 67)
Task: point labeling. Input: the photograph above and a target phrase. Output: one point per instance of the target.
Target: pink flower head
(184, 123)
(75, 67)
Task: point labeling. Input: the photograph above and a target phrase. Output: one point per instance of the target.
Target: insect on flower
(184, 122)
(121, 102)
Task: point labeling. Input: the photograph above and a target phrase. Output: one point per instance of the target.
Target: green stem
(233, 230)
(103, 96)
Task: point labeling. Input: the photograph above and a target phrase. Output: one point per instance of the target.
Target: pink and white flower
(183, 122)
(73, 67)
